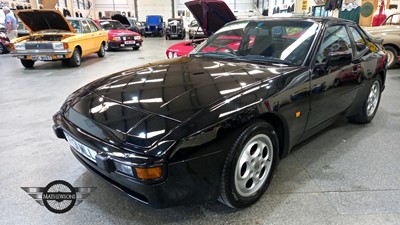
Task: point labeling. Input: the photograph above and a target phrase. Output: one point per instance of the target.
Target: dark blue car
(154, 26)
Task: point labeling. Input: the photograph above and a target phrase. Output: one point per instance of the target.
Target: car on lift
(213, 125)
(210, 16)
(119, 36)
(175, 29)
(154, 26)
(55, 38)
(389, 31)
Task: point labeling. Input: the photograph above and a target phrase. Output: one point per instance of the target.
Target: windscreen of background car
(283, 41)
(112, 25)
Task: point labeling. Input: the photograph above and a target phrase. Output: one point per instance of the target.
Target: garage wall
(240, 4)
(154, 7)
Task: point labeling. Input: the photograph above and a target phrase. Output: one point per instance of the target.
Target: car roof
(299, 18)
(77, 18)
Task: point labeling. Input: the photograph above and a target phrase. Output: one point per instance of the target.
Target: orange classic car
(54, 37)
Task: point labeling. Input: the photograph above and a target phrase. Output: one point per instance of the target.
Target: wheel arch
(282, 130)
(382, 75)
(79, 48)
(393, 46)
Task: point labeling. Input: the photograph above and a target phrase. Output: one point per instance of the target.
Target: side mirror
(378, 40)
(360, 47)
(339, 59)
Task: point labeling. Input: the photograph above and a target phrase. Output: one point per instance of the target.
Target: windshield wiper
(224, 55)
(261, 58)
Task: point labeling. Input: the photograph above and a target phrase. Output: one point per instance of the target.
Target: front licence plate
(41, 57)
(84, 150)
(129, 42)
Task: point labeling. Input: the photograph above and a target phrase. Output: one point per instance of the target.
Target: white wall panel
(154, 7)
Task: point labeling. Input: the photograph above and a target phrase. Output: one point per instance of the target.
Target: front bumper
(33, 54)
(185, 181)
(123, 44)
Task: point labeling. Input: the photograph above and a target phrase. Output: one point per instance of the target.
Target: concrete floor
(348, 174)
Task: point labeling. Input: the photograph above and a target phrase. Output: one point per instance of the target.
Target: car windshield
(272, 41)
(174, 22)
(112, 25)
(392, 20)
(132, 21)
(75, 25)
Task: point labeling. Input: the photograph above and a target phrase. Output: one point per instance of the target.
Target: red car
(211, 16)
(4, 41)
(119, 36)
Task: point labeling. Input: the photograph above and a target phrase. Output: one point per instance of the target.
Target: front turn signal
(149, 173)
(66, 46)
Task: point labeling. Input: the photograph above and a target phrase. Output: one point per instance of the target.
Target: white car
(195, 30)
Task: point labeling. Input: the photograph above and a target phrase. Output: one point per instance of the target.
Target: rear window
(153, 20)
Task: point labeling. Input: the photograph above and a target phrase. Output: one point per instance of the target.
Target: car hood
(39, 20)
(210, 14)
(122, 32)
(144, 105)
(122, 19)
(383, 29)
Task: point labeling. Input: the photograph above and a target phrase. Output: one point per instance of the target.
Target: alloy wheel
(390, 56)
(253, 165)
(373, 98)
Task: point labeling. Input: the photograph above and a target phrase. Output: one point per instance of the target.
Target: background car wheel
(3, 49)
(371, 103)
(102, 51)
(27, 63)
(136, 48)
(249, 165)
(392, 56)
(76, 58)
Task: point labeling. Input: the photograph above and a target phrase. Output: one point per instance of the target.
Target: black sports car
(215, 124)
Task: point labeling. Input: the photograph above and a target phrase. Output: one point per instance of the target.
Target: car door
(87, 36)
(333, 88)
(97, 35)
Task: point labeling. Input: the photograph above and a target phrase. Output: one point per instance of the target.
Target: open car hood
(210, 14)
(38, 20)
(122, 19)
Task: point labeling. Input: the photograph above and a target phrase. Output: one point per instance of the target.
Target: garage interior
(347, 174)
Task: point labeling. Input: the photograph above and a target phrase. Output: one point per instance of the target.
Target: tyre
(65, 62)
(27, 63)
(370, 105)
(136, 48)
(76, 58)
(392, 56)
(249, 165)
(2, 49)
(102, 51)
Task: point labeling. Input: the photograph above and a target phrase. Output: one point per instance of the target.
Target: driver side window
(336, 39)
